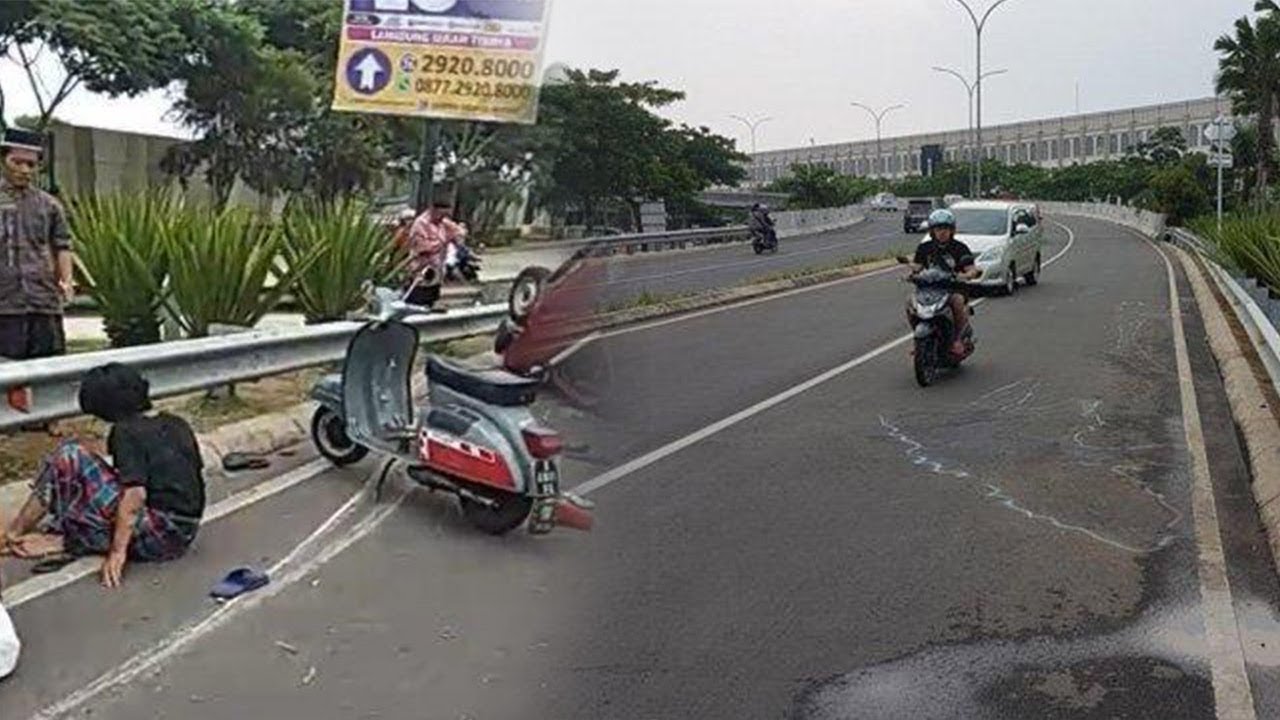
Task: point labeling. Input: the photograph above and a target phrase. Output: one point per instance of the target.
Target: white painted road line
(40, 585)
(1231, 689)
(155, 656)
(644, 461)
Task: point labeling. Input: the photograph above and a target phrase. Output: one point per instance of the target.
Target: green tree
(1165, 147)
(123, 47)
(602, 142)
(1177, 192)
(1249, 73)
(819, 186)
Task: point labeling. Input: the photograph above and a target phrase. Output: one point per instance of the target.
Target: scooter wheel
(510, 512)
(329, 433)
(926, 362)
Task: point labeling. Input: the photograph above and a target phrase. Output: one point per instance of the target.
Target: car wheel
(1033, 277)
(1010, 281)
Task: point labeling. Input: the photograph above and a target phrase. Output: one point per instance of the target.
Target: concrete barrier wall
(803, 222)
(96, 161)
(1148, 223)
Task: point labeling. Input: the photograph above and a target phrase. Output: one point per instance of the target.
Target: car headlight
(990, 256)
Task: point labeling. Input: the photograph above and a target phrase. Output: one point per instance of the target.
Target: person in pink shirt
(429, 240)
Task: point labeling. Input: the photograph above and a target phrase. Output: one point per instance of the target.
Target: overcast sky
(803, 61)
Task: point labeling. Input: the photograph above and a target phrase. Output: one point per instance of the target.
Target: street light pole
(879, 118)
(974, 159)
(752, 125)
(978, 26)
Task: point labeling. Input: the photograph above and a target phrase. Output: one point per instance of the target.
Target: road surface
(788, 528)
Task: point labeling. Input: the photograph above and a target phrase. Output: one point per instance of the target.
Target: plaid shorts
(82, 493)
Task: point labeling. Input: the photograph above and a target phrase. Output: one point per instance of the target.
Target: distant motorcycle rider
(760, 224)
(943, 250)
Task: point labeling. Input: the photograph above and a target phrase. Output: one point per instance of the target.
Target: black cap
(25, 139)
(114, 392)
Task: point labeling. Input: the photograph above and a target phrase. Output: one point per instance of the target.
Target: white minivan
(1006, 239)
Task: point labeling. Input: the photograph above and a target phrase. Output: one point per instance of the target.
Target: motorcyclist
(942, 249)
(760, 223)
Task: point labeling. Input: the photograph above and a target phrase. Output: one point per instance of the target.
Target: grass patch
(852, 262)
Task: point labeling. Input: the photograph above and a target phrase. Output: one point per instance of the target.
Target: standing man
(429, 240)
(36, 267)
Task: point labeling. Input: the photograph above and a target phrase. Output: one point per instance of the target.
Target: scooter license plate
(546, 480)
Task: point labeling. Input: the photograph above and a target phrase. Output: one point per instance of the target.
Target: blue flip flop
(238, 582)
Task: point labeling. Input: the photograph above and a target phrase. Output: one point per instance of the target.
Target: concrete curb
(1248, 398)
(261, 435)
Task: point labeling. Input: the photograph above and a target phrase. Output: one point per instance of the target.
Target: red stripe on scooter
(482, 467)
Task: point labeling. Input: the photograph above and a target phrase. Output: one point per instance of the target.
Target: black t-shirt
(954, 256)
(160, 453)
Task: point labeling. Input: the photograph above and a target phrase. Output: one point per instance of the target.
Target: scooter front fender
(328, 392)
(924, 330)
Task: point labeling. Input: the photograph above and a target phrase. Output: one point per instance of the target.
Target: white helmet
(406, 215)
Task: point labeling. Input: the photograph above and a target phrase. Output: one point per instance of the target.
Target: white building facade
(1059, 142)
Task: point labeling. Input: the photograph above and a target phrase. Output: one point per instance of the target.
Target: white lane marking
(746, 263)
(671, 448)
(1231, 689)
(41, 585)
(153, 657)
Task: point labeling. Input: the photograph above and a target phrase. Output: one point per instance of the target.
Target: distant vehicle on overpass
(916, 218)
(884, 202)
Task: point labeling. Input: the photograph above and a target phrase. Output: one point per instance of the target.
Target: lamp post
(879, 118)
(975, 160)
(980, 24)
(752, 125)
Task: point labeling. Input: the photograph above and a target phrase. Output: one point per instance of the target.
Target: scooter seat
(495, 387)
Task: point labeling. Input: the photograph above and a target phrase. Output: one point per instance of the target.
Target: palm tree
(1249, 73)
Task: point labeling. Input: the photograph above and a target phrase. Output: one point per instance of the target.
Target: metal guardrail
(44, 390)
(1250, 301)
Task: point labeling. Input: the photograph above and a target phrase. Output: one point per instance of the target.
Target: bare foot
(36, 545)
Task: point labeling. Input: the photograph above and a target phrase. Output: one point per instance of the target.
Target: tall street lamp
(752, 125)
(980, 24)
(975, 158)
(879, 118)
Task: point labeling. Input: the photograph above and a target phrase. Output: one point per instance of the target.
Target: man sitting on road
(944, 251)
(145, 504)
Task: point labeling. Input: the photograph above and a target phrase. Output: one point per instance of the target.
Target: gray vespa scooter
(475, 438)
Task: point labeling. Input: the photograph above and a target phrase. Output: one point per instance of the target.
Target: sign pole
(427, 163)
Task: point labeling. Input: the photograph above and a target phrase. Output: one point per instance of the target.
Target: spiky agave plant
(122, 260)
(339, 246)
(222, 264)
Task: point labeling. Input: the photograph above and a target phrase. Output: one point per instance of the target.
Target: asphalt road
(1015, 542)
(679, 272)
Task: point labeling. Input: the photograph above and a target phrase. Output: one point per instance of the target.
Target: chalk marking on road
(152, 657)
(671, 448)
(41, 585)
(1231, 689)
(918, 457)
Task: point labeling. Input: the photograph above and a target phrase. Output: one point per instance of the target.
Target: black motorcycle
(763, 241)
(934, 323)
(465, 267)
